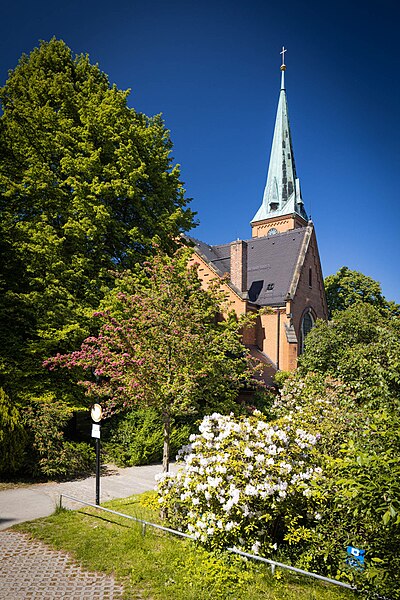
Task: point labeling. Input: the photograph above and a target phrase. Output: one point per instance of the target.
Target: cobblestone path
(31, 570)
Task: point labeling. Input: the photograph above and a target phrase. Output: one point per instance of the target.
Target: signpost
(96, 414)
(355, 558)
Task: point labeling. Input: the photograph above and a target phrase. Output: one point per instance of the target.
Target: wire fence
(273, 563)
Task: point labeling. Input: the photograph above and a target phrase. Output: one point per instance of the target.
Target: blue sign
(355, 557)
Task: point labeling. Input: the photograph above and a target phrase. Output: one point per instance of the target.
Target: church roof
(282, 195)
(271, 264)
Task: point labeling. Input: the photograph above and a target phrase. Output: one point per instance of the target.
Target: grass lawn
(160, 566)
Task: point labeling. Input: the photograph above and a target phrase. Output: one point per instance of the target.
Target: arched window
(307, 323)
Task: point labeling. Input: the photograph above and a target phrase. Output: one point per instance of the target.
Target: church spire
(282, 194)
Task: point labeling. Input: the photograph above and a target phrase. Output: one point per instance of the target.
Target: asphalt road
(39, 500)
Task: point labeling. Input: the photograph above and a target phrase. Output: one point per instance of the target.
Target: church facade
(278, 269)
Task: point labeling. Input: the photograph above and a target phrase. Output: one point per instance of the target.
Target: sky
(212, 69)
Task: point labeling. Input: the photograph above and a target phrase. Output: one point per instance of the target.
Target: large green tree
(163, 344)
(347, 287)
(86, 186)
(361, 347)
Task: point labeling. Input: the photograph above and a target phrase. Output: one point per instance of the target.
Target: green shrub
(358, 499)
(280, 377)
(136, 438)
(12, 436)
(51, 455)
(362, 494)
(212, 575)
(78, 458)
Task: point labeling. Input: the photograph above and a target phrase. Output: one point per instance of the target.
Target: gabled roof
(218, 256)
(272, 263)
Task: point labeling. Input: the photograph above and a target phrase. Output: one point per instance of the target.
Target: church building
(278, 269)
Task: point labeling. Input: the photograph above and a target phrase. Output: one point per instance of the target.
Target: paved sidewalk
(28, 503)
(31, 570)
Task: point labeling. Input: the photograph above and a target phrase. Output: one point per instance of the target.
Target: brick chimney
(239, 265)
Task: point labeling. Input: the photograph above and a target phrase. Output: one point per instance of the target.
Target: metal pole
(98, 471)
(96, 414)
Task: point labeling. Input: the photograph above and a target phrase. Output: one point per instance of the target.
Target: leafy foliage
(12, 436)
(362, 496)
(359, 450)
(136, 437)
(321, 404)
(86, 185)
(162, 343)
(360, 347)
(51, 455)
(348, 287)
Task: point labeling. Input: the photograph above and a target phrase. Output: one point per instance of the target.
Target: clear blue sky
(212, 69)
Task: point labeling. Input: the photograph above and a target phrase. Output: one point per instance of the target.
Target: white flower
(256, 547)
(214, 481)
(250, 490)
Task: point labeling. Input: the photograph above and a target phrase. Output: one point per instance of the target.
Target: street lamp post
(96, 414)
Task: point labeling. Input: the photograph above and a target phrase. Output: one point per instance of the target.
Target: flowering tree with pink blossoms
(162, 343)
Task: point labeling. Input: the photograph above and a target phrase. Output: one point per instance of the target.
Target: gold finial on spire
(283, 66)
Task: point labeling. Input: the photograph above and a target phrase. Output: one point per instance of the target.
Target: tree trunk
(167, 426)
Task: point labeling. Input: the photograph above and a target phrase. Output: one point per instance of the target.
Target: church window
(307, 323)
(310, 277)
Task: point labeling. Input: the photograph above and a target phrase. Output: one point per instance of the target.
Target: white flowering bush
(242, 482)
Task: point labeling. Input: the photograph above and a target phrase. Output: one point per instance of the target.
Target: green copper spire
(282, 194)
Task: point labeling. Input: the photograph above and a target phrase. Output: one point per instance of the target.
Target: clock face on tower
(272, 231)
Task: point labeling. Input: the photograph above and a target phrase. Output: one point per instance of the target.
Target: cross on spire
(283, 54)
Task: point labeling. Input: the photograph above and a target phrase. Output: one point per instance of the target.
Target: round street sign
(96, 413)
